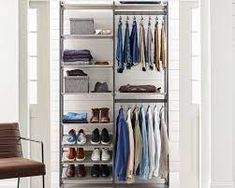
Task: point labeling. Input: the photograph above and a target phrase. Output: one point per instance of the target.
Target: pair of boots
(100, 115)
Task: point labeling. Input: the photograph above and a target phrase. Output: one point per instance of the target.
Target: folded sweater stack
(77, 55)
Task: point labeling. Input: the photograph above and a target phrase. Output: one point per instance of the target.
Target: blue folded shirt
(73, 117)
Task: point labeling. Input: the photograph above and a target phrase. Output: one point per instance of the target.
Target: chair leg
(18, 183)
(43, 181)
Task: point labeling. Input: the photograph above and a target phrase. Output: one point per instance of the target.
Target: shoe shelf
(88, 145)
(87, 161)
(87, 179)
(67, 65)
(87, 127)
(136, 180)
(92, 36)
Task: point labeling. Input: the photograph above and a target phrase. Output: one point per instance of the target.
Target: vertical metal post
(167, 83)
(61, 87)
(18, 183)
(114, 93)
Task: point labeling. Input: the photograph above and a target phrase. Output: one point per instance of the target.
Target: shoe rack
(114, 99)
(84, 101)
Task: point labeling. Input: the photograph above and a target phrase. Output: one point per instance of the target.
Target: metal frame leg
(43, 181)
(18, 183)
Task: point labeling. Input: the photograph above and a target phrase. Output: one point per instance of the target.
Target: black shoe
(104, 171)
(95, 170)
(95, 138)
(105, 139)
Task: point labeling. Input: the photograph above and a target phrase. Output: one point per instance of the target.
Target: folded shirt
(77, 55)
(72, 117)
(76, 52)
(76, 59)
(139, 89)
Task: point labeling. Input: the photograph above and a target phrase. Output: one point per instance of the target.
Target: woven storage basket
(76, 84)
(79, 26)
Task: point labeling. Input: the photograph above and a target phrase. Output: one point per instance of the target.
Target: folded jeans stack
(77, 55)
(72, 117)
(139, 89)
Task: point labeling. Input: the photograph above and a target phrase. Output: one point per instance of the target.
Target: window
(32, 55)
(196, 57)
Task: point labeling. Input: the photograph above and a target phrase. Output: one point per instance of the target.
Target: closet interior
(114, 116)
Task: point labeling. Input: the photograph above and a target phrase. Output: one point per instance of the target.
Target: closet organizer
(136, 102)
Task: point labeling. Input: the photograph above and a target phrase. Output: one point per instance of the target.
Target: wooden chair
(12, 162)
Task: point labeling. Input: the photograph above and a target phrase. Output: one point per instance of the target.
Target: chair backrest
(10, 145)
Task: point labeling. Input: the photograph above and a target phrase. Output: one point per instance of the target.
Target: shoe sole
(70, 143)
(81, 144)
(96, 160)
(95, 143)
(105, 143)
(105, 160)
(67, 159)
(80, 159)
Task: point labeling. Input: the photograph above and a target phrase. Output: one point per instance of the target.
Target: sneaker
(95, 171)
(95, 155)
(81, 140)
(105, 139)
(95, 138)
(104, 171)
(71, 154)
(80, 154)
(105, 155)
(72, 138)
(81, 171)
(70, 171)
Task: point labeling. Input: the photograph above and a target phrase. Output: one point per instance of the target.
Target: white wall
(9, 67)
(9, 61)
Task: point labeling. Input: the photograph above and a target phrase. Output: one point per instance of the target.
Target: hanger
(134, 19)
(149, 24)
(120, 19)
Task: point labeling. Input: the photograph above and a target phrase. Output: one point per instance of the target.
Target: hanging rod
(140, 100)
(140, 12)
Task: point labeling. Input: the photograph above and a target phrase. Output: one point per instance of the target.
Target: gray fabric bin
(76, 84)
(79, 26)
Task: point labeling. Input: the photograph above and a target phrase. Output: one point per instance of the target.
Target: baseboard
(222, 184)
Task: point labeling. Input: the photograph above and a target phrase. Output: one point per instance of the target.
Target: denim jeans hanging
(134, 44)
(119, 50)
(127, 50)
(149, 48)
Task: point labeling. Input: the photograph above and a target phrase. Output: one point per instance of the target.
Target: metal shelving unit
(115, 97)
(88, 127)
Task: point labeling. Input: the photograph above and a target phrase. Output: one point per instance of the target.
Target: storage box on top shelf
(82, 26)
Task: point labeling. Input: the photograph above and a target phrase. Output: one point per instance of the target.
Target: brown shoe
(70, 171)
(95, 115)
(104, 115)
(71, 154)
(80, 154)
(81, 171)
